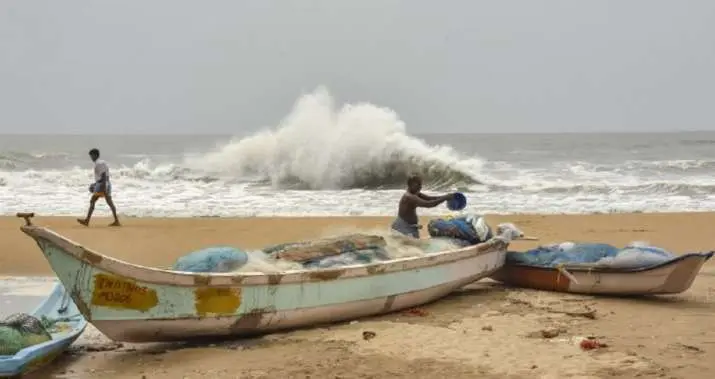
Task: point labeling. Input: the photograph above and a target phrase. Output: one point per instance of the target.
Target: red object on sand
(589, 344)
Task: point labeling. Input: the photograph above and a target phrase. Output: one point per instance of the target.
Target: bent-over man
(407, 222)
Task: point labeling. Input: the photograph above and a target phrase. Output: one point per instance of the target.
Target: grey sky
(228, 66)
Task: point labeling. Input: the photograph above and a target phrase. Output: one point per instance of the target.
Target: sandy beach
(484, 330)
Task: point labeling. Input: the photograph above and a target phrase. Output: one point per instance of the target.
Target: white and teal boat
(133, 303)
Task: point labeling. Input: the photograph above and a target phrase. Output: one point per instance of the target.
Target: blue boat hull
(64, 333)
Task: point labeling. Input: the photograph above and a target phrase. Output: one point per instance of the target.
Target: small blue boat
(69, 325)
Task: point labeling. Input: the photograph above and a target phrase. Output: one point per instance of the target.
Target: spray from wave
(318, 146)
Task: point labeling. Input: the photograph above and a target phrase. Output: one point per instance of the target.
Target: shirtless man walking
(101, 187)
(407, 221)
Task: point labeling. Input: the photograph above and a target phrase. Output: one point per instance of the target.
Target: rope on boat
(64, 303)
(560, 267)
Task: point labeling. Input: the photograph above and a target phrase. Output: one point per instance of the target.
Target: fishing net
(596, 254)
(311, 250)
(212, 259)
(22, 330)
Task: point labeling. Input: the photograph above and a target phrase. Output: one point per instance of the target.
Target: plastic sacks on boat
(597, 254)
(470, 228)
(22, 330)
(212, 259)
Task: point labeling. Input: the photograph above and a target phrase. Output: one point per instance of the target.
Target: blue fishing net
(22, 330)
(212, 259)
(321, 253)
(591, 253)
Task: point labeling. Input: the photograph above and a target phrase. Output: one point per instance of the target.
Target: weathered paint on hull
(671, 278)
(170, 305)
(180, 329)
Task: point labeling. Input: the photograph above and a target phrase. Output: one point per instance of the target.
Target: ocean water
(325, 158)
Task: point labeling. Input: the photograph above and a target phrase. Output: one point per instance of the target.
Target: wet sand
(23, 294)
(483, 330)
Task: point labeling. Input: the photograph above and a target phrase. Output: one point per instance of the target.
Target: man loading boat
(407, 222)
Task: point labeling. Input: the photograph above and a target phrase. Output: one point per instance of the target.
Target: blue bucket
(458, 202)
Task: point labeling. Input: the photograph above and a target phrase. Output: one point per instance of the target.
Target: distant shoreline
(343, 216)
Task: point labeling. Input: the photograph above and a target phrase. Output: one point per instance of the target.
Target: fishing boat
(671, 276)
(67, 325)
(133, 303)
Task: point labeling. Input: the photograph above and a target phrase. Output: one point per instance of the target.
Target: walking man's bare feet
(83, 222)
(115, 223)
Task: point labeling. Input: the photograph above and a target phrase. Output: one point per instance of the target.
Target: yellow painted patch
(117, 292)
(222, 301)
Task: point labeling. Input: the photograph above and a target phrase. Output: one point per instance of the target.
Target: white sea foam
(350, 159)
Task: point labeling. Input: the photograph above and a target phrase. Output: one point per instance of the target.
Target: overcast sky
(228, 66)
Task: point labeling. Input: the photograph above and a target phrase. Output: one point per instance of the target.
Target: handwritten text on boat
(115, 292)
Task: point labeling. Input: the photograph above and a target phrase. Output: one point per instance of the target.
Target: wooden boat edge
(85, 256)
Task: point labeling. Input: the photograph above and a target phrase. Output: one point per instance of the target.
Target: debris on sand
(416, 312)
(551, 333)
(547, 333)
(690, 348)
(368, 335)
(98, 347)
(585, 311)
(591, 343)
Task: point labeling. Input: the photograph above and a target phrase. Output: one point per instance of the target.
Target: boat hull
(672, 277)
(37, 356)
(150, 330)
(133, 303)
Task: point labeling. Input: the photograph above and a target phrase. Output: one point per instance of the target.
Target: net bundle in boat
(22, 330)
(325, 247)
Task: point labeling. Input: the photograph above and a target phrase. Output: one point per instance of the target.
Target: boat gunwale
(159, 276)
(586, 268)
